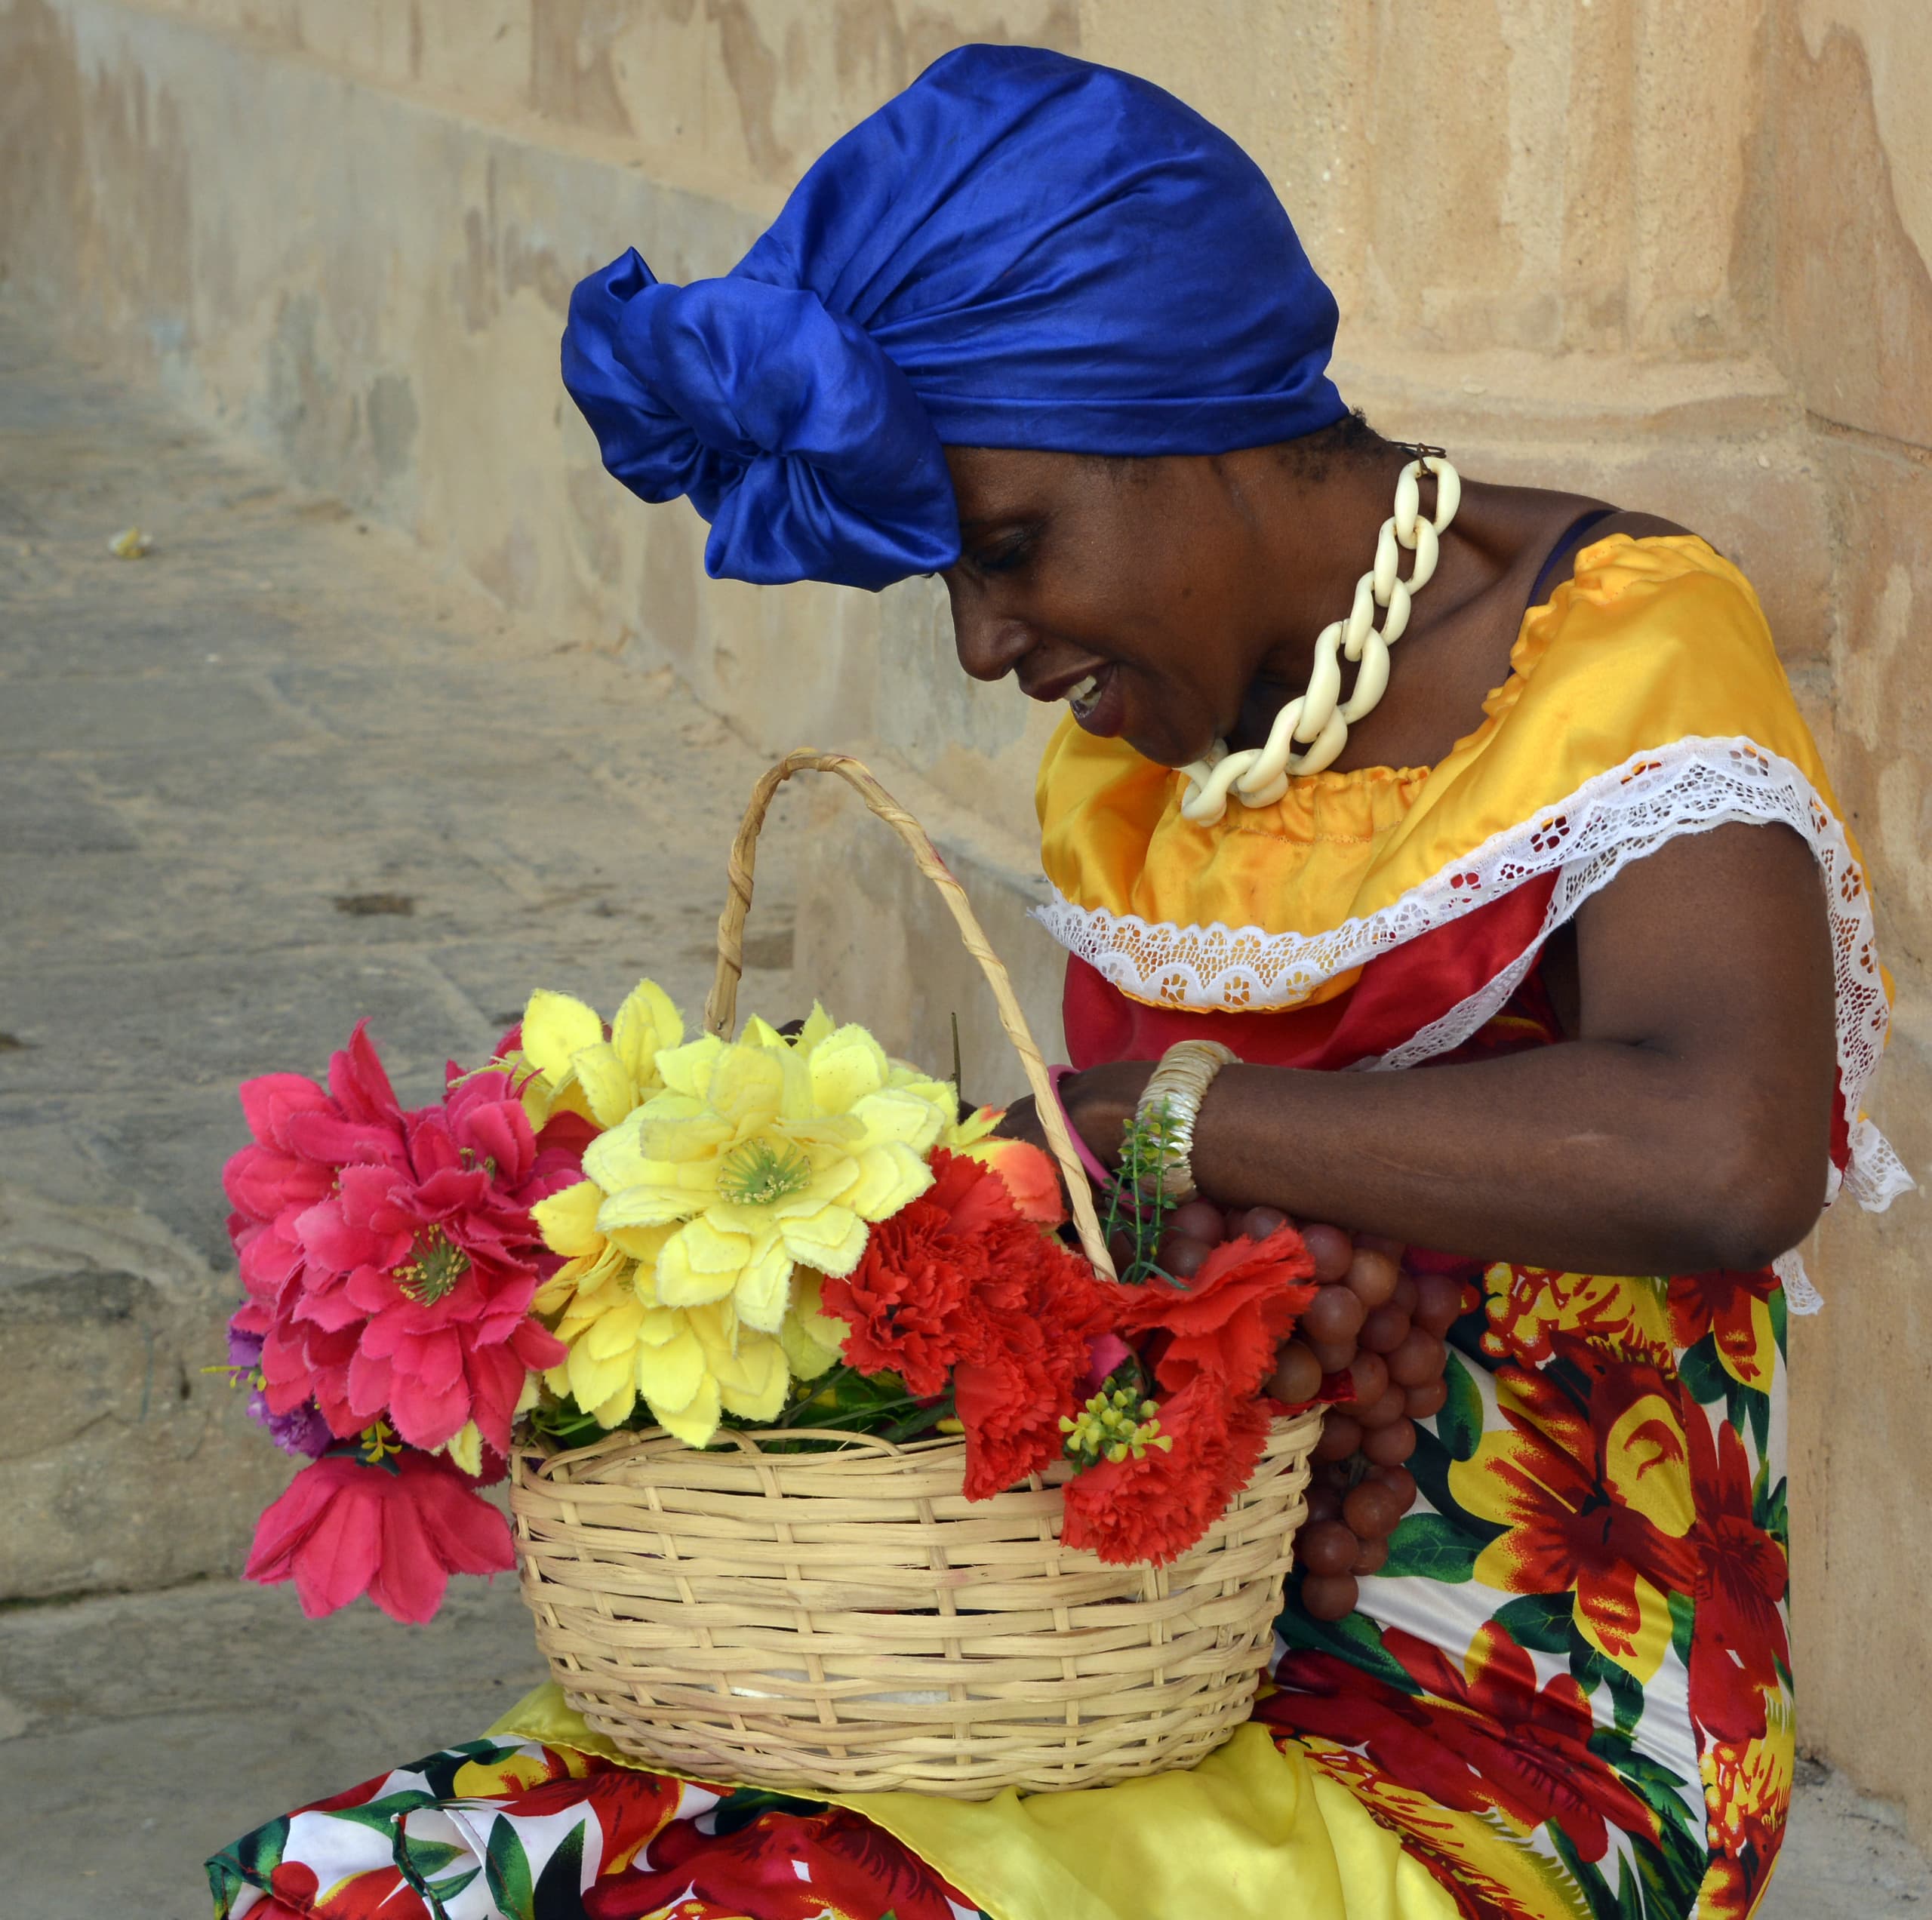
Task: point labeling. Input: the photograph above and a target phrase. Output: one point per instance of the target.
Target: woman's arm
(1686, 1126)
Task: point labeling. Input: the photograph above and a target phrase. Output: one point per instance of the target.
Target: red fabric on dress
(1399, 993)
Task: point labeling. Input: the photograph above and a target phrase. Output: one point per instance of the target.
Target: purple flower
(302, 1430)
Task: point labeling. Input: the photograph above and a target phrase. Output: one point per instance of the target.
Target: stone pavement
(275, 776)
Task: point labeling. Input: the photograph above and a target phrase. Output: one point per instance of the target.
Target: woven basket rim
(655, 1440)
(542, 1456)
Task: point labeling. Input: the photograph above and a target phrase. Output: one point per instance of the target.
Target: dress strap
(1571, 538)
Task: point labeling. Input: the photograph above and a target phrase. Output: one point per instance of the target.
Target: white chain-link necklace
(1320, 719)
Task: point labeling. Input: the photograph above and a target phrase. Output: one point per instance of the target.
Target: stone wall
(1674, 251)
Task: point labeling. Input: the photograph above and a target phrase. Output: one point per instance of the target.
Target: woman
(1037, 327)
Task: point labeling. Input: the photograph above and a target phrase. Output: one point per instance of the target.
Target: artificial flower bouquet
(615, 1227)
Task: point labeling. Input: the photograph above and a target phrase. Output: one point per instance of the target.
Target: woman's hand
(1098, 1104)
(1021, 1122)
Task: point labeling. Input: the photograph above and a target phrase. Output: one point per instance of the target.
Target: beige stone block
(1697, 263)
(1881, 510)
(1861, 1472)
(734, 96)
(127, 1466)
(1854, 219)
(1299, 96)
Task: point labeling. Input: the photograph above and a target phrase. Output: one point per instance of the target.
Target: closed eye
(1005, 556)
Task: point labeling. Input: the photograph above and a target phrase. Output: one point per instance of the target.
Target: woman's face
(1132, 589)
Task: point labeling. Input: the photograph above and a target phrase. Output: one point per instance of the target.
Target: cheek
(1128, 602)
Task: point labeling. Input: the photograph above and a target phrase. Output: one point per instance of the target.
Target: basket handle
(720, 1009)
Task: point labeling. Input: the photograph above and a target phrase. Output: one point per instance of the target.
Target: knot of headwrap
(1020, 250)
(804, 446)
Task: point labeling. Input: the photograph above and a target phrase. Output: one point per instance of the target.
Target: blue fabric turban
(1021, 250)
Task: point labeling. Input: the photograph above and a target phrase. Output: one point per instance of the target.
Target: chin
(1164, 751)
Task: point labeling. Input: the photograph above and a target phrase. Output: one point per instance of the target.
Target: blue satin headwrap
(1021, 250)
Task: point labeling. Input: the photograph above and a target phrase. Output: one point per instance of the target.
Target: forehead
(994, 484)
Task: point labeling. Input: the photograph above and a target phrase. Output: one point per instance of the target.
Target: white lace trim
(1586, 840)
(1801, 1296)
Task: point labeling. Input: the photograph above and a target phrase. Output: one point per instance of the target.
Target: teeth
(1080, 695)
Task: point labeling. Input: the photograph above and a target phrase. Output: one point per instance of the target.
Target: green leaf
(1541, 1623)
(380, 1816)
(1772, 1511)
(1352, 1639)
(249, 1862)
(558, 1895)
(1673, 1873)
(1780, 1319)
(1460, 1423)
(1430, 1463)
(1593, 1671)
(1702, 1373)
(507, 1869)
(1138, 1201)
(418, 1860)
(441, 1769)
(1605, 1903)
(1659, 1788)
(431, 1857)
(1630, 1902)
(1683, 1618)
(744, 1804)
(1428, 1547)
(260, 1852)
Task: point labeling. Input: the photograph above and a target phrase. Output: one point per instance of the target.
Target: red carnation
(960, 1279)
(1045, 1306)
(908, 1300)
(1154, 1507)
(1227, 1322)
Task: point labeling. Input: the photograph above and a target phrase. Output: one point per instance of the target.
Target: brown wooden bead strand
(1371, 1344)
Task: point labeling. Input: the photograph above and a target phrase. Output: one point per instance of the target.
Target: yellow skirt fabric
(1254, 1832)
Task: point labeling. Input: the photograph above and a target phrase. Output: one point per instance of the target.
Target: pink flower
(396, 1531)
(1104, 1351)
(416, 1275)
(302, 1135)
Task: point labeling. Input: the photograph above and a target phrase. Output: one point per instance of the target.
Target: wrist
(1100, 1102)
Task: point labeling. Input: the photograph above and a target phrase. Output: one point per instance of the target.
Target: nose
(989, 645)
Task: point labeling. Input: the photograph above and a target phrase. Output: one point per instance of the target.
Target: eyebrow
(1017, 516)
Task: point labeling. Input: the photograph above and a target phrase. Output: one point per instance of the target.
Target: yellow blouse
(1654, 644)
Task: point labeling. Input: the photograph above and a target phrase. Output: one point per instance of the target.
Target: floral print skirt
(1567, 1693)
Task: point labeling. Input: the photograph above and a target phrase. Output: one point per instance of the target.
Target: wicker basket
(848, 1621)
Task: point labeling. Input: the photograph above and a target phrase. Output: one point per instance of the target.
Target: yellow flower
(1627, 1317)
(566, 1065)
(722, 1165)
(765, 1153)
(690, 1365)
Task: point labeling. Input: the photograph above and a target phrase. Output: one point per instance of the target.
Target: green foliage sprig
(1139, 1201)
